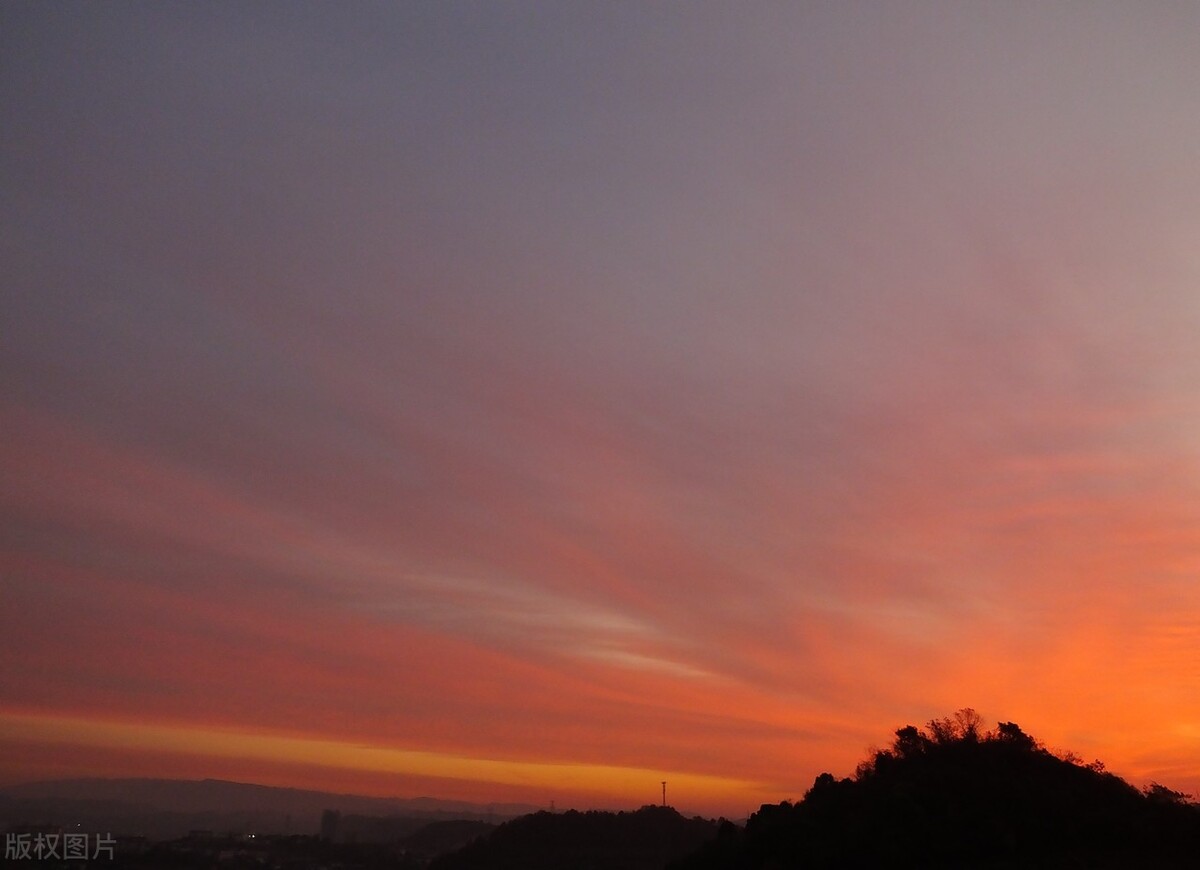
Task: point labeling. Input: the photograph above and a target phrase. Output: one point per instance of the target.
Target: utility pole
(664, 785)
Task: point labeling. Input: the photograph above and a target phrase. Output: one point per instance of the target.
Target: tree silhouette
(957, 795)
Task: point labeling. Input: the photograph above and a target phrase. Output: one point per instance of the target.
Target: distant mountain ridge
(162, 808)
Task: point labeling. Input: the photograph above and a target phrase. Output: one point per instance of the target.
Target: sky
(535, 402)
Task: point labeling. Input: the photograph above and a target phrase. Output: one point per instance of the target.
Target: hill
(953, 795)
(643, 840)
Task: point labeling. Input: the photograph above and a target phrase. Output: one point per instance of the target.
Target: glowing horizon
(457, 774)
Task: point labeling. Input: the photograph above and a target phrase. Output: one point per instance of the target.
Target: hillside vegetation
(955, 795)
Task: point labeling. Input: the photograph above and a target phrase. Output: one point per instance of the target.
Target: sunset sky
(537, 401)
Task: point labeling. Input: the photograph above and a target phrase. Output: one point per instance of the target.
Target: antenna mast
(664, 785)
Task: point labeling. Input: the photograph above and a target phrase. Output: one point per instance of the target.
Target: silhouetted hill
(643, 840)
(956, 796)
(437, 838)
